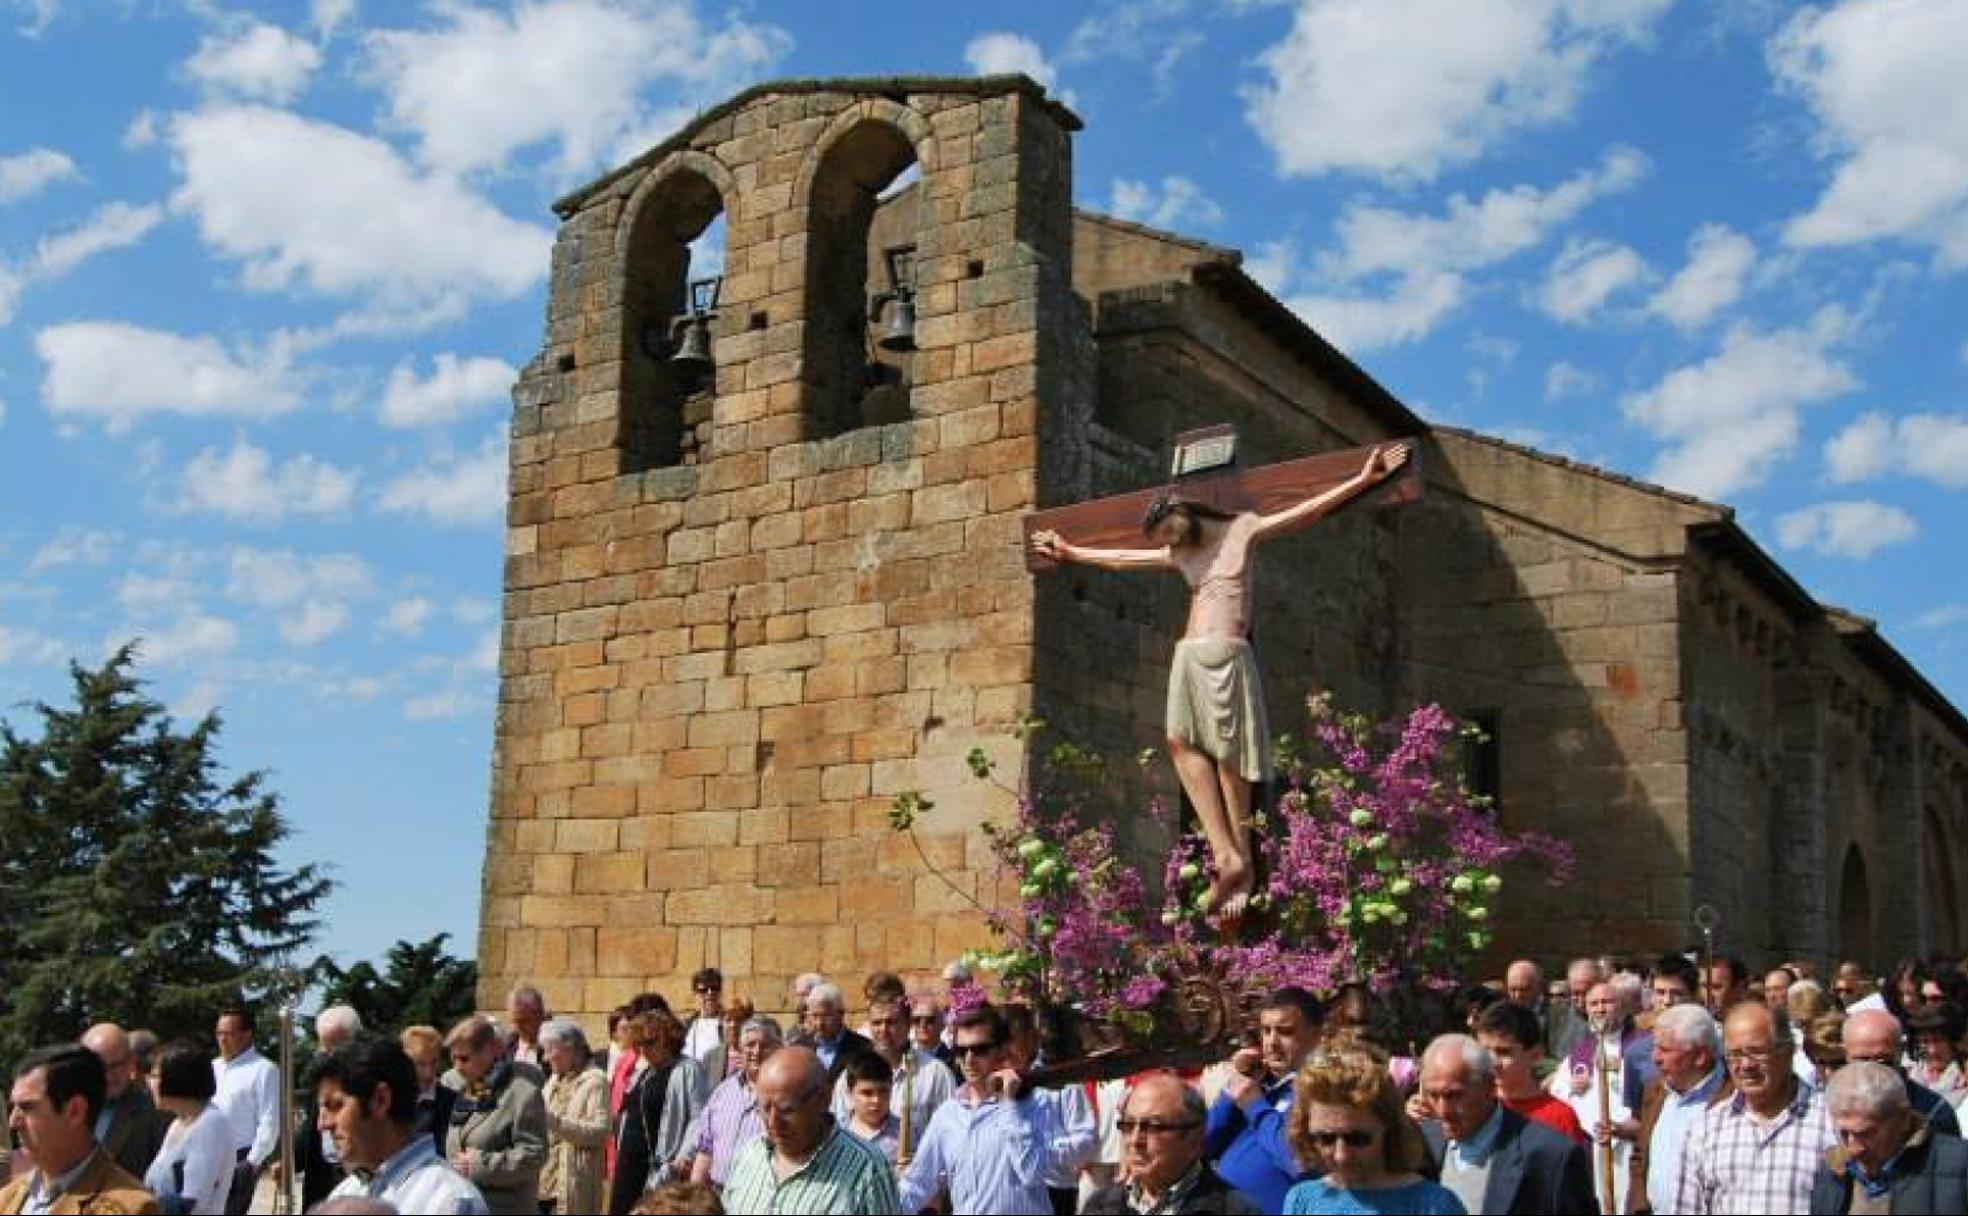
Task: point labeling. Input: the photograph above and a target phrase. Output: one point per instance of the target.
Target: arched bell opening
(1855, 909)
(673, 265)
(865, 212)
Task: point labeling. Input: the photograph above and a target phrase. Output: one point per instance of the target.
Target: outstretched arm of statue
(1382, 462)
(1054, 547)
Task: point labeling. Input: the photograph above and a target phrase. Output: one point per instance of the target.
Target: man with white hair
(526, 1012)
(827, 1032)
(1888, 1158)
(1494, 1159)
(1687, 1050)
(1874, 1036)
(803, 986)
(315, 1158)
(1567, 1022)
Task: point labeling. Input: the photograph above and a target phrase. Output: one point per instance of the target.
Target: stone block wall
(716, 675)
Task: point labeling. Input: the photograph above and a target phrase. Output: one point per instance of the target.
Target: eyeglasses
(1747, 1055)
(706, 991)
(1352, 1137)
(1153, 1127)
(975, 1049)
(928, 1019)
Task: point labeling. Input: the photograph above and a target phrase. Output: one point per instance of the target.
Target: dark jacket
(1533, 1170)
(136, 1129)
(1651, 1104)
(318, 1174)
(1931, 1176)
(1212, 1196)
(851, 1045)
(434, 1116)
(642, 1114)
(1932, 1107)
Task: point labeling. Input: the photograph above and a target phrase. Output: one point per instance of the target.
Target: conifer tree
(137, 881)
(421, 983)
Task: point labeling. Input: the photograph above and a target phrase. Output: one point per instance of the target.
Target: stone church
(748, 604)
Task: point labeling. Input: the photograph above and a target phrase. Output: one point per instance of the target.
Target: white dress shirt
(249, 1094)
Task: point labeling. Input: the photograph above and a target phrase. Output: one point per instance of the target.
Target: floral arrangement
(1375, 862)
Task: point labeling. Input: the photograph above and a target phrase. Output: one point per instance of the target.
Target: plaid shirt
(1734, 1163)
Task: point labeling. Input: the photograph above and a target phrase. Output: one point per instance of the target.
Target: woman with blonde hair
(1347, 1119)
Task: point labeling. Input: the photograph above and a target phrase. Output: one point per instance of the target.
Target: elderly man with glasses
(1874, 1036)
(805, 1162)
(992, 1146)
(1888, 1158)
(1161, 1130)
(1759, 1150)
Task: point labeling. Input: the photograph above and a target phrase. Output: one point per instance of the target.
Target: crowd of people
(1664, 1085)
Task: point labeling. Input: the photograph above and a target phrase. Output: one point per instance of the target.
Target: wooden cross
(1115, 522)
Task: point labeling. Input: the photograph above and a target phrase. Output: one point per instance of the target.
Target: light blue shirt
(1679, 1114)
(994, 1156)
(1474, 1153)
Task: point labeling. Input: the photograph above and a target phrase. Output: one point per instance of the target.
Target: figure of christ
(1218, 737)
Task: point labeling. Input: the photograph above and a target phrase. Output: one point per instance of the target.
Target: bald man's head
(112, 1046)
(1873, 1036)
(792, 1094)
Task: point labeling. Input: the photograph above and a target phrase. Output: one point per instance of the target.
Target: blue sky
(267, 273)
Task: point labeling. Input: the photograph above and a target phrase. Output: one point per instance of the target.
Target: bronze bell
(693, 350)
(900, 336)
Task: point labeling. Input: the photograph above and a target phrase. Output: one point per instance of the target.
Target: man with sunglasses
(991, 1147)
(1161, 1130)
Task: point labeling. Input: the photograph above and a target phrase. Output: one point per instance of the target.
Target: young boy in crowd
(869, 1082)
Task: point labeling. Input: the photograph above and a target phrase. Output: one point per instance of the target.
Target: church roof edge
(1014, 82)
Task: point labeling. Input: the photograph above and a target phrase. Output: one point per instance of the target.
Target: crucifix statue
(1218, 736)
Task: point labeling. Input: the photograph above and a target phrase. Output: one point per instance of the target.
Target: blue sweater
(1247, 1144)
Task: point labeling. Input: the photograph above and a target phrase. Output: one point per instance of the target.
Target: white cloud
(1846, 529)
(1427, 256)
(245, 484)
(1470, 235)
(189, 634)
(485, 654)
(1274, 264)
(281, 578)
(33, 171)
(254, 59)
(407, 616)
(1946, 616)
(315, 621)
(485, 84)
(1407, 90)
(73, 546)
(1883, 78)
(11, 286)
(469, 610)
(195, 702)
(142, 131)
(141, 593)
(113, 226)
(1585, 275)
(1931, 446)
(1563, 381)
(308, 594)
(456, 387)
(439, 705)
(310, 206)
(459, 489)
(1362, 322)
(1178, 201)
(1002, 54)
(118, 373)
(1731, 418)
(1719, 259)
(30, 647)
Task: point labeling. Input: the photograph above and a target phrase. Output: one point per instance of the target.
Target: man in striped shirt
(730, 1118)
(805, 1162)
(1759, 1150)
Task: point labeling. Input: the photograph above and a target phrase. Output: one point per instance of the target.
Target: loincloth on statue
(1216, 705)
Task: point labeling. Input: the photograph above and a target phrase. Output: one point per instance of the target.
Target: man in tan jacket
(57, 1093)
